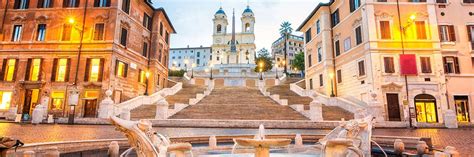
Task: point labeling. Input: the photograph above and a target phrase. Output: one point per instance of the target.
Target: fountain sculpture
(146, 142)
(261, 144)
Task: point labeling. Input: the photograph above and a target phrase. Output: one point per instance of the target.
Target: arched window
(219, 28)
(247, 27)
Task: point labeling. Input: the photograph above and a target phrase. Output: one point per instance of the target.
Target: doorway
(425, 106)
(90, 108)
(393, 107)
(31, 100)
(462, 108)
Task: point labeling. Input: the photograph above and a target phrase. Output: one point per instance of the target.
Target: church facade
(231, 47)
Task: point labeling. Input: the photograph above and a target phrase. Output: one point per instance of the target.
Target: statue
(145, 141)
(106, 106)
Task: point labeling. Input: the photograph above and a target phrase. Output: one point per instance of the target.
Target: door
(462, 108)
(425, 106)
(31, 100)
(90, 106)
(393, 107)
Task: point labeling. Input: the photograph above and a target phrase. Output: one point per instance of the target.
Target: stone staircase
(187, 92)
(329, 112)
(238, 103)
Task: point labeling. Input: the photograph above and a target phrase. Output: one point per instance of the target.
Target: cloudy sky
(193, 18)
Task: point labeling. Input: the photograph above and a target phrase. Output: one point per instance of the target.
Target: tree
(298, 62)
(285, 31)
(264, 60)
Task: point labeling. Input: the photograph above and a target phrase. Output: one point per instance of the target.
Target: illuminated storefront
(462, 108)
(425, 106)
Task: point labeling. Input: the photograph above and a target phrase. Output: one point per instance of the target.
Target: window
(381, 0)
(147, 21)
(321, 81)
(70, 3)
(126, 6)
(347, 44)
(470, 34)
(417, 0)
(167, 38)
(441, 1)
(5, 98)
(57, 99)
(318, 27)
(161, 29)
(335, 18)
(33, 71)
(358, 34)
(123, 37)
(45, 3)
(310, 83)
(354, 4)
(247, 27)
(145, 50)
(361, 68)
(389, 66)
(17, 31)
(101, 3)
(308, 35)
(198, 62)
(121, 69)
(198, 54)
(451, 65)
(309, 60)
(9, 69)
(41, 32)
(67, 30)
(339, 76)
(468, 1)
(99, 31)
(94, 70)
(462, 108)
(446, 33)
(219, 28)
(320, 54)
(385, 30)
(420, 30)
(142, 77)
(158, 79)
(60, 70)
(337, 48)
(21, 4)
(425, 64)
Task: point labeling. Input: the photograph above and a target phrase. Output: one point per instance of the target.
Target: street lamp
(147, 75)
(73, 100)
(192, 70)
(276, 70)
(261, 74)
(261, 64)
(211, 65)
(331, 76)
(73, 95)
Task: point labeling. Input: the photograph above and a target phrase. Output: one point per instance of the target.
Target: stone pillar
(106, 106)
(113, 149)
(212, 142)
(376, 109)
(162, 109)
(316, 111)
(298, 140)
(40, 111)
(450, 120)
(52, 152)
(12, 113)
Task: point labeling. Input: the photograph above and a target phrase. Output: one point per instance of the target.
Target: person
(7, 143)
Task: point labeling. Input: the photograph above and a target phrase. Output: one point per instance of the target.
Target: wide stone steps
(329, 112)
(149, 111)
(238, 103)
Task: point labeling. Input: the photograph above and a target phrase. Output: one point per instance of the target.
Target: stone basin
(262, 146)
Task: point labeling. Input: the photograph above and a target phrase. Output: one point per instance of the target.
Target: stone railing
(123, 109)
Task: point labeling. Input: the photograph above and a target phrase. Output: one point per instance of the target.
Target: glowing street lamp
(71, 20)
(331, 76)
(147, 75)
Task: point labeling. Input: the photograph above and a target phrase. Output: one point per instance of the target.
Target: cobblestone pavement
(462, 139)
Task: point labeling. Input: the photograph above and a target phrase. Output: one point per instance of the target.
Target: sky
(192, 19)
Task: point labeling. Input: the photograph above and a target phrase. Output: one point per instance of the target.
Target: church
(231, 48)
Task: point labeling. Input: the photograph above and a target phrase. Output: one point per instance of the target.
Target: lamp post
(331, 76)
(211, 65)
(73, 100)
(260, 65)
(147, 75)
(276, 70)
(192, 70)
(186, 64)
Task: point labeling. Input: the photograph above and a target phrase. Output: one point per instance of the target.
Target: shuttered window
(321, 81)
(61, 69)
(470, 34)
(94, 70)
(385, 30)
(67, 30)
(45, 3)
(101, 3)
(358, 34)
(337, 48)
(425, 64)
(121, 69)
(339, 76)
(446, 33)
(99, 31)
(147, 21)
(361, 65)
(126, 6)
(420, 30)
(21, 4)
(389, 66)
(451, 65)
(9, 69)
(33, 69)
(71, 3)
(145, 49)
(123, 37)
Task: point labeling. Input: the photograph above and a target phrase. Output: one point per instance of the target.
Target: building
(233, 48)
(401, 54)
(295, 45)
(456, 31)
(186, 58)
(49, 48)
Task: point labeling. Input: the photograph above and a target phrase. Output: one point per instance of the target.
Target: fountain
(146, 142)
(261, 144)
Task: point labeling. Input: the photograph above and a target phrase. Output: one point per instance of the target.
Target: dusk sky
(193, 18)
